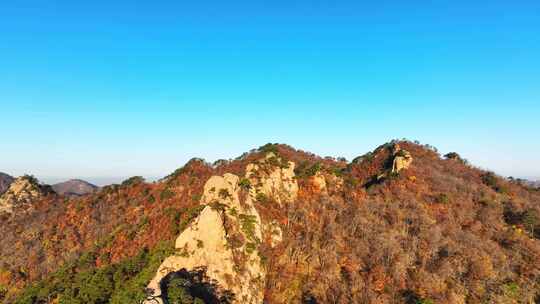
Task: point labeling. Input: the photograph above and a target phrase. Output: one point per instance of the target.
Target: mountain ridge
(436, 230)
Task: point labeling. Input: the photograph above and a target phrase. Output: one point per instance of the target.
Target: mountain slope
(5, 181)
(74, 187)
(396, 225)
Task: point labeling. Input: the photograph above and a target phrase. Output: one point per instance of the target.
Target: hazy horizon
(107, 180)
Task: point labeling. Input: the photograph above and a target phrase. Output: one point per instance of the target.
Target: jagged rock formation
(5, 181)
(22, 191)
(402, 159)
(74, 187)
(224, 239)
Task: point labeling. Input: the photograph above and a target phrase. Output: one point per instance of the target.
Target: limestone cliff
(224, 239)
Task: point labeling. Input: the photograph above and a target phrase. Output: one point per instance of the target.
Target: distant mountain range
(74, 187)
(5, 181)
(534, 183)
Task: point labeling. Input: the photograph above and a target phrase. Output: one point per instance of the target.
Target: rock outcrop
(22, 192)
(402, 159)
(224, 239)
(272, 177)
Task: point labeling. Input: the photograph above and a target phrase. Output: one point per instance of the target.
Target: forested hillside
(400, 224)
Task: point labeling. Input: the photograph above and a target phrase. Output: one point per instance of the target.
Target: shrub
(452, 155)
(245, 184)
(247, 224)
(189, 215)
(443, 198)
(30, 178)
(224, 194)
(220, 162)
(304, 169)
(217, 206)
(269, 147)
(337, 171)
(3, 291)
(531, 220)
(134, 180)
(177, 293)
(491, 180)
(511, 290)
(166, 194)
(261, 198)
(366, 157)
(402, 153)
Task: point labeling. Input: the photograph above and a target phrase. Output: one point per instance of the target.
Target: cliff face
(279, 225)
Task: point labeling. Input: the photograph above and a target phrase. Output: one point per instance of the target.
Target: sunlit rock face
(273, 177)
(402, 159)
(22, 191)
(203, 244)
(224, 239)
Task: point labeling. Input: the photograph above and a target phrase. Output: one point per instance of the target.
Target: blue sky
(102, 90)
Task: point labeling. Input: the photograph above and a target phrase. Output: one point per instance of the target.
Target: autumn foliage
(441, 231)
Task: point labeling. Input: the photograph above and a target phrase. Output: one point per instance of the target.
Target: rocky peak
(224, 239)
(22, 191)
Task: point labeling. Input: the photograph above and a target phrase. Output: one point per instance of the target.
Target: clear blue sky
(112, 89)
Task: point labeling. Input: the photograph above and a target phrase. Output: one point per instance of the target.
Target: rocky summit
(22, 192)
(400, 224)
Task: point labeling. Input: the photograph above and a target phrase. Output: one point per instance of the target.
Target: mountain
(74, 187)
(399, 224)
(534, 184)
(5, 181)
